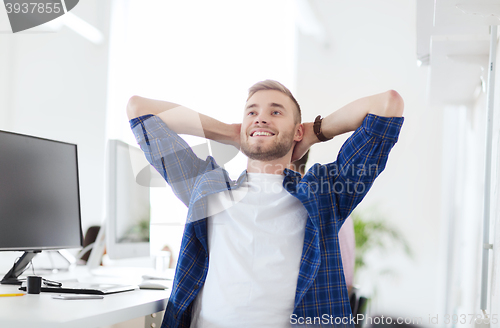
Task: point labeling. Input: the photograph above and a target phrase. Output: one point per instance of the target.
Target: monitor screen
(39, 194)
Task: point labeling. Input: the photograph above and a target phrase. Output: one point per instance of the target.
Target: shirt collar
(289, 174)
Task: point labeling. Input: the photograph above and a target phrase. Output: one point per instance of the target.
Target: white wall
(373, 49)
(54, 85)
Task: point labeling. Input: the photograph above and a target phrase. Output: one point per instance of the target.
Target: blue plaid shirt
(328, 192)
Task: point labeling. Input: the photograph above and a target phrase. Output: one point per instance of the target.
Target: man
(263, 251)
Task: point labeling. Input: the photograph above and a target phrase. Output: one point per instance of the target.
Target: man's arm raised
(350, 117)
(183, 120)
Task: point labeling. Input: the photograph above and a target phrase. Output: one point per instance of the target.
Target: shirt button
(195, 286)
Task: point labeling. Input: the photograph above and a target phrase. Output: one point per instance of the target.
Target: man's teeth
(262, 134)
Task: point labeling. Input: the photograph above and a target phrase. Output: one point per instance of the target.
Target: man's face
(268, 130)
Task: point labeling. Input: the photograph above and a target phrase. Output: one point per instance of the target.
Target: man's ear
(299, 133)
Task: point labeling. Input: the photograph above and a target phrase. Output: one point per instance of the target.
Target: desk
(41, 311)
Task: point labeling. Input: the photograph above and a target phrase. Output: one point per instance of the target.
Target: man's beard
(281, 148)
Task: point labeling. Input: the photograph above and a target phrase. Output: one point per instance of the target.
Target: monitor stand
(18, 268)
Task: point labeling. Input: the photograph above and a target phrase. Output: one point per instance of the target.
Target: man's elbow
(394, 104)
(134, 107)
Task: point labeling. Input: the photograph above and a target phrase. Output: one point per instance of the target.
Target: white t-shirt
(255, 242)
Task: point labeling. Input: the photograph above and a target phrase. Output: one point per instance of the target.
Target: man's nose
(261, 118)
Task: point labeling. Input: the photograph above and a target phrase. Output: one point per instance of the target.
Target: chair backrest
(90, 237)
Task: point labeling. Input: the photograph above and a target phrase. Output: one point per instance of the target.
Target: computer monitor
(129, 209)
(39, 198)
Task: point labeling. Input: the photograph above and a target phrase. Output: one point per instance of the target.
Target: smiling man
(263, 251)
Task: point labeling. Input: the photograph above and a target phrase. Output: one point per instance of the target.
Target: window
(203, 55)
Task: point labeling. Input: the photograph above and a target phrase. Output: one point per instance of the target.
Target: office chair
(89, 239)
(359, 305)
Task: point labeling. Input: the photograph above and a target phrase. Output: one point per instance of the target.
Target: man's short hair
(275, 85)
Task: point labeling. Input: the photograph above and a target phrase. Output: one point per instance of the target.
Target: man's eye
(276, 112)
(251, 113)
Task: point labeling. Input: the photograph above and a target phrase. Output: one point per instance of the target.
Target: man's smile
(261, 133)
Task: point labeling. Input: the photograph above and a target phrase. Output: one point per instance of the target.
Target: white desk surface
(42, 311)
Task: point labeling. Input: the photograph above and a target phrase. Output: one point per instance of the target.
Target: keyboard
(87, 288)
